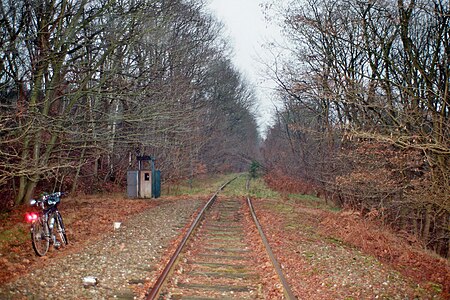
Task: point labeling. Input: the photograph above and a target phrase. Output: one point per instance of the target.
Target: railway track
(216, 258)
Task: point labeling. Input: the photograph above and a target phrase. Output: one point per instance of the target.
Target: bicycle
(45, 221)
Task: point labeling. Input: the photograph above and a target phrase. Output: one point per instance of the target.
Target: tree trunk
(77, 174)
(30, 190)
(24, 181)
(427, 224)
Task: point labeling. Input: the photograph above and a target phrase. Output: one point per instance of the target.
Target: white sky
(245, 25)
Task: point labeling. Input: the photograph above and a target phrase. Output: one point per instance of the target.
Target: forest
(365, 115)
(86, 86)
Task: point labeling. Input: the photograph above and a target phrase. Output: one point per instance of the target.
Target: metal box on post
(132, 184)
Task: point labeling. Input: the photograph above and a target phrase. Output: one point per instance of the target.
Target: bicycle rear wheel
(61, 231)
(39, 239)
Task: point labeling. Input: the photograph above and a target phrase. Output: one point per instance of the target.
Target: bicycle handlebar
(46, 198)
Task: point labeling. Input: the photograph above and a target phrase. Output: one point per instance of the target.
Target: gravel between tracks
(121, 261)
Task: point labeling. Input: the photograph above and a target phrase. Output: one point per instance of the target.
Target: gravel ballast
(119, 262)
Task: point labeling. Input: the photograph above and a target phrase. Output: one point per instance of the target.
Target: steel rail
(286, 288)
(154, 292)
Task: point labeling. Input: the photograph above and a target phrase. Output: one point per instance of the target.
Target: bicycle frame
(43, 222)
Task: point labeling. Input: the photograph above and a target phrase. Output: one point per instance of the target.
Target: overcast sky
(245, 25)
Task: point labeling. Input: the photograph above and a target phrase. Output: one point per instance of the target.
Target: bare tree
(375, 78)
(85, 85)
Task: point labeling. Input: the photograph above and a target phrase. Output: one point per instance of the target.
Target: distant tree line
(86, 85)
(366, 109)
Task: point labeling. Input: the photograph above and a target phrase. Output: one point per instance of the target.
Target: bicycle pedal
(57, 244)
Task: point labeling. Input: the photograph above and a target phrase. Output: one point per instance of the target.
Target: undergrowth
(400, 250)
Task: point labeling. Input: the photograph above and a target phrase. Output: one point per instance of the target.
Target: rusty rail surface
(162, 278)
(286, 288)
(159, 286)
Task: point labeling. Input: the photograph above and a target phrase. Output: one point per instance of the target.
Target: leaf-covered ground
(325, 253)
(338, 255)
(86, 220)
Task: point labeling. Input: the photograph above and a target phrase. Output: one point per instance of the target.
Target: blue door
(156, 190)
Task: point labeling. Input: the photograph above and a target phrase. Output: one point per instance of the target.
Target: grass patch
(237, 187)
(309, 255)
(335, 241)
(312, 202)
(209, 184)
(258, 189)
(4, 216)
(293, 226)
(198, 186)
(437, 288)
(15, 235)
(284, 209)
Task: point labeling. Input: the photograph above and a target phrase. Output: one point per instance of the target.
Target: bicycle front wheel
(61, 231)
(39, 238)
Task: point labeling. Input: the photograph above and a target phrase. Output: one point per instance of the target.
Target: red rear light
(31, 217)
